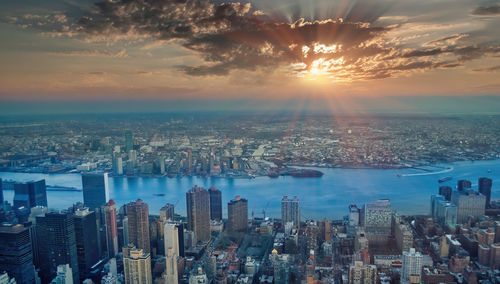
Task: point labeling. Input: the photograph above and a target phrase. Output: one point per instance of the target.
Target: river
(324, 197)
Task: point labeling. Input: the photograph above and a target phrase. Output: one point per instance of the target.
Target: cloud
(235, 36)
(488, 69)
(493, 10)
(119, 54)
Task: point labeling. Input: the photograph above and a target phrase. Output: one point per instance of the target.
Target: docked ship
(444, 179)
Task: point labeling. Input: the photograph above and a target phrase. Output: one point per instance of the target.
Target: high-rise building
(111, 225)
(117, 164)
(56, 244)
(167, 212)
(469, 203)
(290, 210)
(362, 274)
(325, 233)
(138, 225)
(30, 194)
(403, 234)
(95, 190)
(198, 212)
(215, 203)
(171, 269)
(129, 141)
(64, 275)
(1, 195)
(412, 264)
(495, 256)
(35, 211)
(353, 215)
(463, 185)
(16, 256)
(484, 187)
(376, 217)
(86, 240)
(136, 266)
(180, 231)
(446, 192)
(443, 211)
(237, 215)
(171, 236)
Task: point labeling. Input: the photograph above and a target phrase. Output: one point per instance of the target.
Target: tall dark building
(237, 215)
(484, 187)
(446, 192)
(138, 225)
(215, 204)
(463, 185)
(86, 240)
(16, 257)
(290, 210)
(56, 244)
(129, 141)
(180, 231)
(198, 212)
(95, 190)
(1, 195)
(30, 194)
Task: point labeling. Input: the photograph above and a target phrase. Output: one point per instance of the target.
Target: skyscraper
(446, 192)
(30, 194)
(129, 141)
(111, 228)
(215, 203)
(16, 256)
(237, 215)
(171, 236)
(353, 215)
(86, 240)
(484, 187)
(171, 266)
(57, 244)
(95, 190)
(376, 217)
(167, 212)
(1, 195)
(136, 266)
(290, 210)
(198, 212)
(469, 203)
(180, 231)
(117, 164)
(138, 225)
(412, 264)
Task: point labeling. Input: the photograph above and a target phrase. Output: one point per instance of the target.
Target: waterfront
(327, 196)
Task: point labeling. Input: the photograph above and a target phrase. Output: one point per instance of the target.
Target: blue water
(328, 196)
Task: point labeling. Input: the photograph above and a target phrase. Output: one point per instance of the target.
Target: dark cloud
(488, 69)
(487, 11)
(235, 36)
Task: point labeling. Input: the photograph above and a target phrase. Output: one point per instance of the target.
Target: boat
(159, 194)
(399, 175)
(301, 173)
(444, 179)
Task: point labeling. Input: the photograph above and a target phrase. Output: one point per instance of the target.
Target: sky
(219, 51)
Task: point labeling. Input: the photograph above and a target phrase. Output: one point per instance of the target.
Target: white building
(412, 264)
